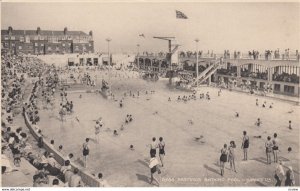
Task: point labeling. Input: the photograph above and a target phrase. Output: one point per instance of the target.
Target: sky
(218, 26)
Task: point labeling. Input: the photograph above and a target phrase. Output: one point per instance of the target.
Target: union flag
(180, 15)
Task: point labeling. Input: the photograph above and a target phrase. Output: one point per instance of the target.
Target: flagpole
(108, 40)
(197, 70)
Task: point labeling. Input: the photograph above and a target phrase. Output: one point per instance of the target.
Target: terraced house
(40, 41)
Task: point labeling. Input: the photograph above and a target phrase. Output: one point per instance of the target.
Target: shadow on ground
(211, 169)
(142, 178)
(261, 159)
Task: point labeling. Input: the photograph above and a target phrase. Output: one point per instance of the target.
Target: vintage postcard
(150, 94)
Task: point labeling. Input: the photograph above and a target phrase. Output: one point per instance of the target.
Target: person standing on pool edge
(245, 145)
(97, 131)
(161, 146)
(269, 150)
(153, 165)
(223, 158)
(231, 155)
(85, 151)
(275, 148)
(153, 147)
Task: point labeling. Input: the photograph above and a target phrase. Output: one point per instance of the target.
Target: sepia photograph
(150, 94)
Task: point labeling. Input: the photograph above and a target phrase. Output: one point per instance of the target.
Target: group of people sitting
(15, 143)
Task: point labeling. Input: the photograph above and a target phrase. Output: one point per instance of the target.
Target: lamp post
(108, 40)
(197, 70)
(138, 59)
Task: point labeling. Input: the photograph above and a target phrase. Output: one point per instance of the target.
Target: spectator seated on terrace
(75, 180)
(285, 77)
(65, 168)
(232, 71)
(258, 75)
(41, 179)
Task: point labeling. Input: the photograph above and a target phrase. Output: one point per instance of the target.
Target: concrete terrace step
(20, 178)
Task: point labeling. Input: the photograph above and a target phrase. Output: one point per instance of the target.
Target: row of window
(286, 88)
(56, 48)
(42, 45)
(63, 44)
(49, 38)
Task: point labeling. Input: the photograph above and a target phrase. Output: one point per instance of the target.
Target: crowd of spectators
(254, 54)
(257, 75)
(285, 77)
(19, 73)
(231, 71)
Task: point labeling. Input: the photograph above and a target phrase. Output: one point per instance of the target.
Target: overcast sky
(218, 26)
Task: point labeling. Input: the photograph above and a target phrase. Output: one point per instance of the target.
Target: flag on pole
(180, 15)
(142, 35)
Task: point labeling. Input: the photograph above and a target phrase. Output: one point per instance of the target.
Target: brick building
(46, 41)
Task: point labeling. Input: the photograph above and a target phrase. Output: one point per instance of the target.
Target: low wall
(86, 177)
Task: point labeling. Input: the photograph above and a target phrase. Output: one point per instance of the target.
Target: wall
(87, 178)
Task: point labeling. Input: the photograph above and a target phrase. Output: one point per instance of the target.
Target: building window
(35, 44)
(20, 47)
(55, 39)
(90, 44)
(13, 44)
(27, 39)
(49, 48)
(6, 44)
(95, 61)
(277, 87)
(76, 48)
(63, 44)
(289, 89)
(6, 38)
(12, 37)
(21, 39)
(42, 44)
(2, 45)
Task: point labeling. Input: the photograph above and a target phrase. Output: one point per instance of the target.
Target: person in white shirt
(76, 180)
(275, 148)
(269, 149)
(279, 174)
(97, 131)
(153, 147)
(153, 165)
(51, 160)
